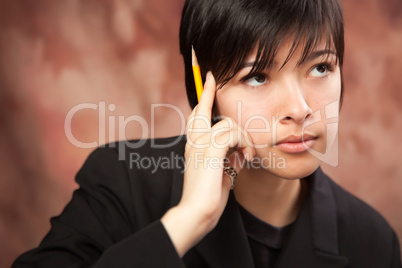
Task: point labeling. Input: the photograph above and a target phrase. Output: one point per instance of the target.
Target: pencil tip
(194, 60)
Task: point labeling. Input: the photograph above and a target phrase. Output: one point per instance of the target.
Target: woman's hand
(206, 188)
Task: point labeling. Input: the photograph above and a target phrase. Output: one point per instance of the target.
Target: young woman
(272, 72)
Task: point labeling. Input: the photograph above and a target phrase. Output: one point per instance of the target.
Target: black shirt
(266, 241)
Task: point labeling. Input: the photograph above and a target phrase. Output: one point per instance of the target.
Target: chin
(293, 167)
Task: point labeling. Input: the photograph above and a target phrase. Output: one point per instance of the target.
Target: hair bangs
(224, 33)
(306, 26)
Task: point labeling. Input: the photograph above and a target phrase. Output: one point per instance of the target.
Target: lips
(296, 143)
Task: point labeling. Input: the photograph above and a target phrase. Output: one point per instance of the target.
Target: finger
(236, 160)
(204, 109)
(193, 134)
(233, 165)
(227, 134)
(190, 119)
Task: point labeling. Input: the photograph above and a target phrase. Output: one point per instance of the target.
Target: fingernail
(209, 74)
(248, 157)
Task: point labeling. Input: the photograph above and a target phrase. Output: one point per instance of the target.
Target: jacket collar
(314, 238)
(313, 241)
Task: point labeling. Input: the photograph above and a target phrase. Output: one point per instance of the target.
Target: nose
(294, 107)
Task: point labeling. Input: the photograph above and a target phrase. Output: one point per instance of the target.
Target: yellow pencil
(197, 76)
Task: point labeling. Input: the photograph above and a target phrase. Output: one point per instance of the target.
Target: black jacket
(113, 220)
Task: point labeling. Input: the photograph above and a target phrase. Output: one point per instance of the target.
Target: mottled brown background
(57, 54)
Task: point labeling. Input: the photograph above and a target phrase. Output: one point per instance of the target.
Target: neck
(272, 199)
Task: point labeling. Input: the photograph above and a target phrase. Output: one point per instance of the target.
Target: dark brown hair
(224, 33)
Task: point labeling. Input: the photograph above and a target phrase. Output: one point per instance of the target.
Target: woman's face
(290, 113)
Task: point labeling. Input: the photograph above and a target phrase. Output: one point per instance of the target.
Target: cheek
(329, 89)
(257, 120)
(225, 104)
(253, 115)
(321, 95)
(324, 101)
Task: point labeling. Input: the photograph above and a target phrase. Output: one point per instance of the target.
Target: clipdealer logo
(118, 124)
(328, 116)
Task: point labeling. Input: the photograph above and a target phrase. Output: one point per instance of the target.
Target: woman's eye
(256, 80)
(320, 71)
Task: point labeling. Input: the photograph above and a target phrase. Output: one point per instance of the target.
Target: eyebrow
(313, 55)
(316, 54)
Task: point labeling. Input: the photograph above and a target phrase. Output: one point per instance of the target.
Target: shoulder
(146, 147)
(144, 157)
(128, 153)
(361, 228)
(137, 172)
(151, 157)
(353, 211)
